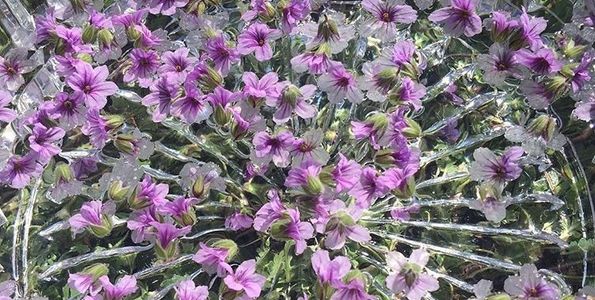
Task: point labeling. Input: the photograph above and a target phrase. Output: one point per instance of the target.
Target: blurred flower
(404, 213)
(12, 68)
(124, 287)
(186, 290)
(309, 148)
(139, 222)
(498, 65)
(94, 216)
(530, 285)
(369, 187)
(213, 260)
(166, 235)
(238, 221)
(163, 93)
(542, 61)
(330, 271)
(293, 12)
(181, 210)
(407, 274)
(342, 226)
(386, 15)
(346, 174)
(19, 170)
(488, 167)
(353, 290)
(459, 18)
(490, 202)
(269, 212)
(165, 7)
(7, 115)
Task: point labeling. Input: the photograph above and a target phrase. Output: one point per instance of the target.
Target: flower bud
(387, 78)
(572, 50)
(384, 157)
(170, 251)
(200, 188)
(290, 94)
(114, 121)
(413, 129)
(89, 34)
(210, 80)
(313, 186)
(117, 192)
(327, 30)
(499, 297)
(558, 85)
(132, 33)
(407, 190)
(102, 230)
(62, 173)
(126, 143)
(279, 227)
(543, 126)
(379, 121)
(105, 37)
(354, 275)
(96, 270)
(188, 218)
(85, 57)
(222, 116)
(326, 176)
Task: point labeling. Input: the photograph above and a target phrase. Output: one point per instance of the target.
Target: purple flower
(293, 12)
(266, 87)
(213, 260)
(83, 283)
(163, 93)
(530, 285)
(181, 210)
(269, 212)
(192, 107)
(530, 30)
(124, 287)
(95, 216)
(501, 26)
(246, 279)
(369, 187)
(459, 18)
(373, 128)
(176, 64)
(238, 221)
(330, 30)
(489, 201)
(309, 148)
(339, 84)
(167, 233)
(6, 114)
(96, 128)
(488, 167)
(187, 290)
(342, 225)
(69, 110)
(397, 178)
(346, 174)
(353, 290)
(581, 73)
(275, 147)
(306, 177)
(19, 170)
(330, 271)
(7, 289)
(293, 99)
(89, 84)
(386, 15)
(83, 167)
(256, 38)
(378, 80)
(149, 193)
(498, 64)
(542, 61)
(315, 62)
(289, 226)
(45, 25)
(200, 179)
(140, 221)
(143, 64)
(43, 141)
(450, 132)
(166, 7)
(222, 53)
(411, 92)
(71, 40)
(12, 68)
(407, 274)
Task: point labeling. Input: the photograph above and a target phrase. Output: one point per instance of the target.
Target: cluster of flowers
(228, 79)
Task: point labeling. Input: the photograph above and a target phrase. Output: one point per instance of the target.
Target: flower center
(343, 82)
(11, 70)
(261, 42)
(87, 89)
(386, 16)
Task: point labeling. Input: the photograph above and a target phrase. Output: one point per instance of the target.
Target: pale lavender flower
(200, 179)
(274, 147)
(83, 283)
(490, 202)
(459, 18)
(213, 260)
(90, 85)
(293, 12)
(499, 64)
(488, 167)
(238, 221)
(166, 7)
(257, 8)
(143, 65)
(293, 99)
(83, 167)
(342, 225)
(95, 216)
(309, 148)
(407, 274)
(7, 289)
(530, 30)
(222, 53)
(386, 15)
(331, 30)
(339, 84)
(330, 271)
(581, 74)
(71, 111)
(346, 174)
(140, 221)
(187, 290)
(6, 114)
(269, 212)
(96, 128)
(353, 290)
(176, 64)
(404, 213)
(163, 93)
(192, 107)
(67, 64)
(542, 61)
(482, 289)
(369, 187)
(45, 25)
(378, 80)
(411, 92)
(19, 170)
(123, 288)
(246, 279)
(585, 110)
(43, 141)
(12, 68)
(530, 285)
(256, 38)
(539, 96)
